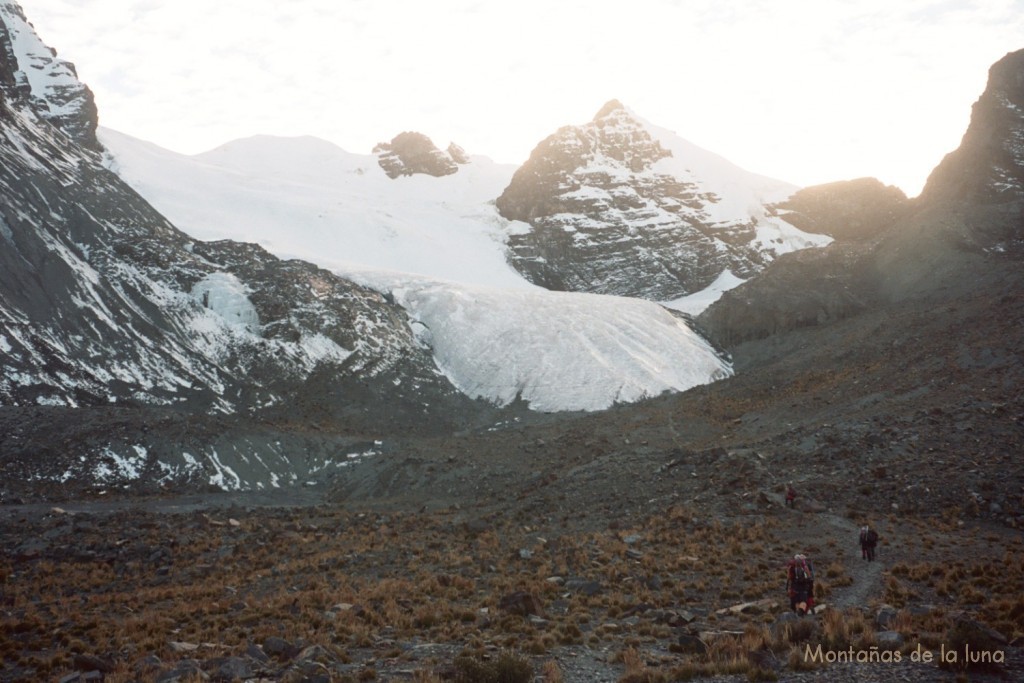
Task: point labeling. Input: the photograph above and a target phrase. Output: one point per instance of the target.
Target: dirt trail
(867, 576)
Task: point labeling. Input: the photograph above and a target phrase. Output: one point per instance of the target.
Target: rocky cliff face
(104, 303)
(51, 85)
(409, 153)
(618, 206)
(986, 173)
(962, 237)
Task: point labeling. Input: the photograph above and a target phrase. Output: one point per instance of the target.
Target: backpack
(872, 537)
(803, 573)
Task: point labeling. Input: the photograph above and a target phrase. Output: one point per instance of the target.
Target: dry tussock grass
(350, 582)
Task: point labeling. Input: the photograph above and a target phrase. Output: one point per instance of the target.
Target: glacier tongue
(558, 350)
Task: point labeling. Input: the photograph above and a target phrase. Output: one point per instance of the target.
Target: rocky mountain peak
(623, 137)
(618, 206)
(31, 74)
(609, 107)
(988, 167)
(412, 152)
(979, 188)
(576, 156)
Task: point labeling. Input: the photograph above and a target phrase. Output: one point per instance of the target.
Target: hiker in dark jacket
(800, 584)
(868, 541)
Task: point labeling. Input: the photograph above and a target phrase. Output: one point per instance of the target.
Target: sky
(806, 91)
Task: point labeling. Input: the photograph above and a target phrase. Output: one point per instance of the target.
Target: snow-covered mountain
(621, 206)
(110, 313)
(473, 249)
(436, 245)
(105, 301)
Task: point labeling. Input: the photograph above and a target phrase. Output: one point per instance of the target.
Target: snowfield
(309, 199)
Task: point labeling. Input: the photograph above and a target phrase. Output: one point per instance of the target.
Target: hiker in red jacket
(790, 495)
(800, 584)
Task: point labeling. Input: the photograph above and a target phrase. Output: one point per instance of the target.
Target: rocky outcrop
(32, 72)
(409, 153)
(946, 243)
(850, 210)
(457, 154)
(783, 298)
(988, 167)
(980, 186)
(612, 209)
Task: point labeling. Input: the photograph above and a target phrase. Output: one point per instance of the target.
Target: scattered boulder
(756, 607)
(522, 603)
(885, 616)
(680, 618)
(186, 670)
(692, 645)
(180, 647)
(794, 629)
(257, 654)
(583, 587)
(279, 648)
(92, 663)
(889, 640)
(89, 677)
(230, 668)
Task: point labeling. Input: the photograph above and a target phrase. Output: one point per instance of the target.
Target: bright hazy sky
(807, 91)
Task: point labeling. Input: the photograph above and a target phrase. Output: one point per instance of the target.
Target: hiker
(868, 541)
(800, 584)
(790, 495)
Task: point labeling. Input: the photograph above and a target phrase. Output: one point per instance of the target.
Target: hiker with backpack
(800, 584)
(868, 541)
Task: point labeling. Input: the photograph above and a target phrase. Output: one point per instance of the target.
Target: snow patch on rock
(228, 297)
